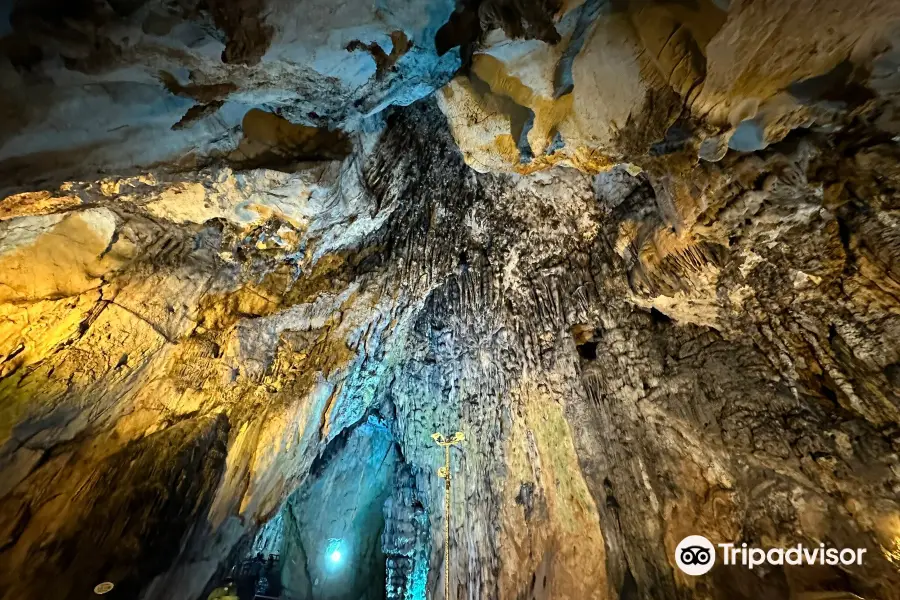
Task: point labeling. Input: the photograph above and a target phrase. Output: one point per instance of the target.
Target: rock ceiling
(253, 253)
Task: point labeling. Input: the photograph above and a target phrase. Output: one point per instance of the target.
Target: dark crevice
(659, 318)
(588, 350)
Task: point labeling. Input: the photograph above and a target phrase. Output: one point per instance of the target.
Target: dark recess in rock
(204, 94)
(272, 141)
(197, 112)
(519, 19)
(132, 514)
(247, 35)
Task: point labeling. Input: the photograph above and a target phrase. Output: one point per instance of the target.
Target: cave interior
(448, 299)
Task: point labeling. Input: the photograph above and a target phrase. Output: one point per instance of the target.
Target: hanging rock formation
(644, 255)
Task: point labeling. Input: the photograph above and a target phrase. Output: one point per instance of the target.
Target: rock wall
(632, 78)
(617, 389)
(173, 80)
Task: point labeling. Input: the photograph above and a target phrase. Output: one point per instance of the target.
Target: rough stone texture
(405, 541)
(173, 80)
(623, 73)
(106, 529)
(579, 97)
(250, 352)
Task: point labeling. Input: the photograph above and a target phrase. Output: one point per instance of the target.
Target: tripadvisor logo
(696, 555)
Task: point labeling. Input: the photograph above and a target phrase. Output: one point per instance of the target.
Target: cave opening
(330, 540)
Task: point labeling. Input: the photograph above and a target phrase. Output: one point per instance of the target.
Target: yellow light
(103, 588)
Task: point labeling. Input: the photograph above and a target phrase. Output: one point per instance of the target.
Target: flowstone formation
(253, 254)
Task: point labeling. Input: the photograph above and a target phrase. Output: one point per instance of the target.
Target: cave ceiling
(644, 255)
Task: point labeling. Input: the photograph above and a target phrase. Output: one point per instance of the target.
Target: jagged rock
(623, 73)
(527, 105)
(173, 80)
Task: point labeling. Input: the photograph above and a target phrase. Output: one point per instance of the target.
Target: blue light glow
(334, 553)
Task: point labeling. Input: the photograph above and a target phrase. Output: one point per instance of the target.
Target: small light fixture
(103, 588)
(334, 553)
